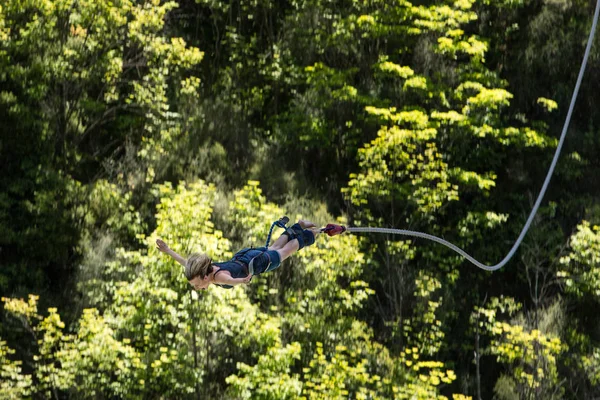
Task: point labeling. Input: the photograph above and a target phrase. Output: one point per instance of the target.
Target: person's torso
(247, 254)
(238, 265)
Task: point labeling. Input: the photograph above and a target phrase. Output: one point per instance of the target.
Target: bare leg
(283, 239)
(280, 242)
(292, 246)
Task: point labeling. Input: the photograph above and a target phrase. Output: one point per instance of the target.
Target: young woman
(201, 271)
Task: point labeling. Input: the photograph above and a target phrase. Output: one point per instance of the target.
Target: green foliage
(109, 207)
(424, 378)
(99, 362)
(397, 164)
(581, 271)
(82, 48)
(332, 288)
(270, 378)
(528, 349)
(548, 104)
(251, 212)
(89, 89)
(423, 330)
(530, 354)
(339, 376)
(184, 219)
(591, 364)
(490, 220)
(436, 116)
(409, 163)
(92, 362)
(13, 383)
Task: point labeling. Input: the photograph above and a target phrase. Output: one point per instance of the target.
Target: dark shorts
(261, 260)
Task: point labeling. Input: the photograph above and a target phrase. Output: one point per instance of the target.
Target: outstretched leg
(284, 238)
(293, 245)
(279, 243)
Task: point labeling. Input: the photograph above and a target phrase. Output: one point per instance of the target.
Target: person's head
(198, 269)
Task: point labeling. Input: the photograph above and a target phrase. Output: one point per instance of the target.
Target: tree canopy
(201, 122)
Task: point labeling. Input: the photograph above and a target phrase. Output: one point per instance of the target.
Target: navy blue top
(238, 265)
(236, 270)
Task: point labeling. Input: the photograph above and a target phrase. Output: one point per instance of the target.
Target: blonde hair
(197, 265)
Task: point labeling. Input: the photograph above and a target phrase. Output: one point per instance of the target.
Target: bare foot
(305, 224)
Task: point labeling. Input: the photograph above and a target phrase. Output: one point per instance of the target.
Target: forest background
(201, 122)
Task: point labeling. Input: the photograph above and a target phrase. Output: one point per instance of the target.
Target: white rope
(542, 192)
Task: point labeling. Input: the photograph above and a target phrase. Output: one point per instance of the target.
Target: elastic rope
(542, 191)
(273, 227)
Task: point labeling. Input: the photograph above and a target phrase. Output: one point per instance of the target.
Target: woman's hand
(247, 279)
(162, 246)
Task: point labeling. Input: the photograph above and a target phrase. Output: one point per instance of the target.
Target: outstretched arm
(226, 279)
(162, 246)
